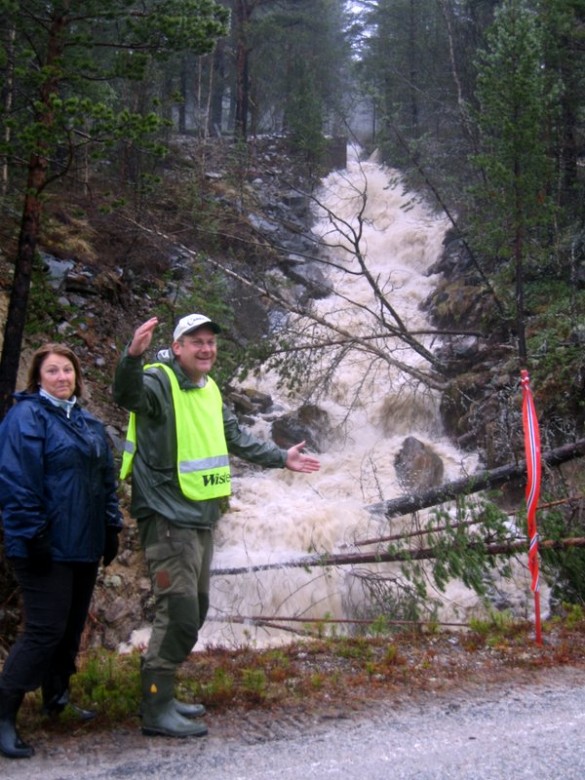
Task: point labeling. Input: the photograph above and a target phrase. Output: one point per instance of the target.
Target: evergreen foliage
(481, 103)
(516, 106)
(62, 63)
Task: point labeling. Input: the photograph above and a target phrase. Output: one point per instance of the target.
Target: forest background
(478, 104)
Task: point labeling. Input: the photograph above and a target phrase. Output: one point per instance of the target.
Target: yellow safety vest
(202, 455)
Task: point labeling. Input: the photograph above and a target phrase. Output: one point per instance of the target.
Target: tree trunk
(413, 72)
(30, 222)
(8, 99)
(486, 479)
(17, 308)
(185, 94)
(519, 213)
(421, 554)
(216, 94)
(242, 93)
(243, 10)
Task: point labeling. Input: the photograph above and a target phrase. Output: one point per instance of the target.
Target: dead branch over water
(422, 554)
(412, 503)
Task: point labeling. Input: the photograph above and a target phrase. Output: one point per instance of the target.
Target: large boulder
(310, 423)
(418, 466)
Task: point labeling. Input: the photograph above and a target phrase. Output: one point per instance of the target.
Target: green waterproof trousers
(179, 562)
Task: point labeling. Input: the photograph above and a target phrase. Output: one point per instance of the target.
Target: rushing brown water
(277, 516)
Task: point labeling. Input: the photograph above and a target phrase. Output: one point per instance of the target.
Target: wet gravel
(533, 728)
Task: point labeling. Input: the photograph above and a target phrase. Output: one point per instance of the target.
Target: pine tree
(515, 99)
(66, 61)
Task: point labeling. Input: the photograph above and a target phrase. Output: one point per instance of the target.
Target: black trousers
(55, 610)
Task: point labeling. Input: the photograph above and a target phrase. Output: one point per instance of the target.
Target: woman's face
(57, 376)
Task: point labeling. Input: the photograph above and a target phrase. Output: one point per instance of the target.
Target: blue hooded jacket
(56, 471)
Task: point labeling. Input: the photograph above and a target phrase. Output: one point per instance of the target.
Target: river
(373, 403)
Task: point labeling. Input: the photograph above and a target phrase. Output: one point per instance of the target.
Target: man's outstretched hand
(298, 461)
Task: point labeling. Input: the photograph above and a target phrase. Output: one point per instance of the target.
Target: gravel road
(531, 731)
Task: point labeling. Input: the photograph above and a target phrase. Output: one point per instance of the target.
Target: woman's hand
(40, 556)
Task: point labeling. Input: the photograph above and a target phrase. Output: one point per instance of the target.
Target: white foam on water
(276, 516)
(279, 516)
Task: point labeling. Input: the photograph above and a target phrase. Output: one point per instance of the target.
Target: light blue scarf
(67, 405)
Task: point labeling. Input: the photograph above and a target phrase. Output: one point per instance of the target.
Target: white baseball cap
(192, 322)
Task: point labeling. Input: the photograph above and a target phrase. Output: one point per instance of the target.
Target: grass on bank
(327, 670)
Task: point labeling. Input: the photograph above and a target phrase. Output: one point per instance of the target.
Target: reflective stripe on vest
(202, 455)
(129, 448)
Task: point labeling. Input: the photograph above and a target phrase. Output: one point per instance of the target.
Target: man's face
(196, 352)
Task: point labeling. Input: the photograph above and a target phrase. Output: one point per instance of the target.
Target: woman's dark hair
(39, 357)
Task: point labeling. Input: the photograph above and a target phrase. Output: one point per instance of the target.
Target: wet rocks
(418, 466)
(309, 423)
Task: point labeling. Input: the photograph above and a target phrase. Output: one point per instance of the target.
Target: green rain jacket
(155, 484)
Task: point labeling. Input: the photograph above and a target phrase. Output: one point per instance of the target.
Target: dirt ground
(426, 726)
(324, 681)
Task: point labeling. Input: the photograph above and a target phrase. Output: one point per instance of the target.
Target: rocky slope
(104, 271)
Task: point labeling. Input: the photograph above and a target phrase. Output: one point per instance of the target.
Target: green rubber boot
(189, 710)
(159, 713)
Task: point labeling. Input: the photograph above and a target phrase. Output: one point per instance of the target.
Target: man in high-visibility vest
(179, 436)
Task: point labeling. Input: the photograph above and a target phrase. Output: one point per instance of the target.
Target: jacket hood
(24, 395)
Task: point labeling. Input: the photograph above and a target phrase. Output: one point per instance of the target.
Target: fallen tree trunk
(404, 505)
(422, 554)
(276, 621)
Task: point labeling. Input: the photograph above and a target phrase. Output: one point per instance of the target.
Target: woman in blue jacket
(60, 516)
